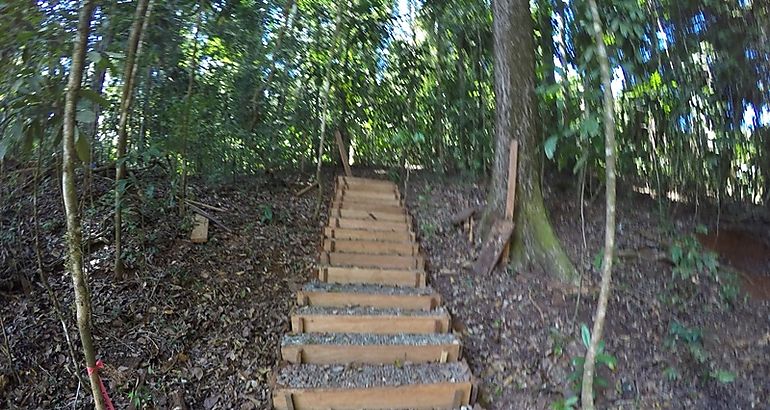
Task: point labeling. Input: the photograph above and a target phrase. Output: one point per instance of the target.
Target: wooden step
(371, 247)
(361, 260)
(389, 236)
(363, 202)
(394, 277)
(366, 183)
(413, 386)
(370, 215)
(368, 195)
(367, 206)
(311, 319)
(374, 296)
(370, 225)
(346, 348)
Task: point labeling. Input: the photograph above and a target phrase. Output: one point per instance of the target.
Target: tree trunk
(325, 101)
(587, 394)
(187, 114)
(534, 241)
(69, 194)
(125, 108)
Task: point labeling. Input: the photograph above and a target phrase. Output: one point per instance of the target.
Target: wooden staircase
(369, 333)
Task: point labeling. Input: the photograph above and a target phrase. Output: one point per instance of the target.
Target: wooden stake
(510, 202)
(343, 153)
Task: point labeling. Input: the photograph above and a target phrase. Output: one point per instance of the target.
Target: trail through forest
(204, 322)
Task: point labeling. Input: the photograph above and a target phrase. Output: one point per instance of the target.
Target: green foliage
(568, 403)
(266, 212)
(692, 339)
(140, 397)
(602, 359)
(690, 259)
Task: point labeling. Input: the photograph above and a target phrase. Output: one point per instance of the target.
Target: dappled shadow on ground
(521, 327)
(203, 320)
(206, 320)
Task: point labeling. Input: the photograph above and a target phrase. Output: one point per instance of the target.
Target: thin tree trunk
(125, 109)
(41, 271)
(534, 241)
(288, 11)
(587, 394)
(187, 113)
(69, 193)
(325, 103)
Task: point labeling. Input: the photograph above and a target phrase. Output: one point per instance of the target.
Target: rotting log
(493, 247)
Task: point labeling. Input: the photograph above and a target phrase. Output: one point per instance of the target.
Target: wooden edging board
(365, 202)
(394, 277)
(370, 354)
(365, 183)
(438, 322)
(363, 260)
(405, 248)
(417, 396)
(389, 236)
(367, 206)
(370, 215)
(375, 300)
(354, 193)
(369, 225)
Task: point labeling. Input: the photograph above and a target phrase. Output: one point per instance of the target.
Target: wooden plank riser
(377, 324)
(369, 215)
(371, 247)
(370, 225)
(367, 195)
(367, 207)
(365, 183)
(420, 397)
(366, 203)
(372, 261)
(369, 354)
(382, 301)
(387, 236)
(371, 276)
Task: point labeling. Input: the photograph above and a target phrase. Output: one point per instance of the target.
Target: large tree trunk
(125, 108)
(534, 242)
(69, 194)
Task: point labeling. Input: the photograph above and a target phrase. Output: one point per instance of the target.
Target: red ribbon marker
(105, 396)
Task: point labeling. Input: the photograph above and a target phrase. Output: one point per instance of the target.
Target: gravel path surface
(377, 289)
(369, 339)
(311, 376)
(352, 311)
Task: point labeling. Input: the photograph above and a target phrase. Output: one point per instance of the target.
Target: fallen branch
(208, 215)
(201, 204)
(464, 215)
(306, 189)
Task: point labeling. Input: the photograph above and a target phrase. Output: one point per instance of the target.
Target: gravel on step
(360, 339)
(376, 289)
(313, 376)
(366, 311)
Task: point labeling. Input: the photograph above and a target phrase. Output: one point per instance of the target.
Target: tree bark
(325, 102)
(69, 194)
(125, 108)
(534, 242)
(587, 394)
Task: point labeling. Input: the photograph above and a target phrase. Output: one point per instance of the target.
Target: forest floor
(204, 321)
